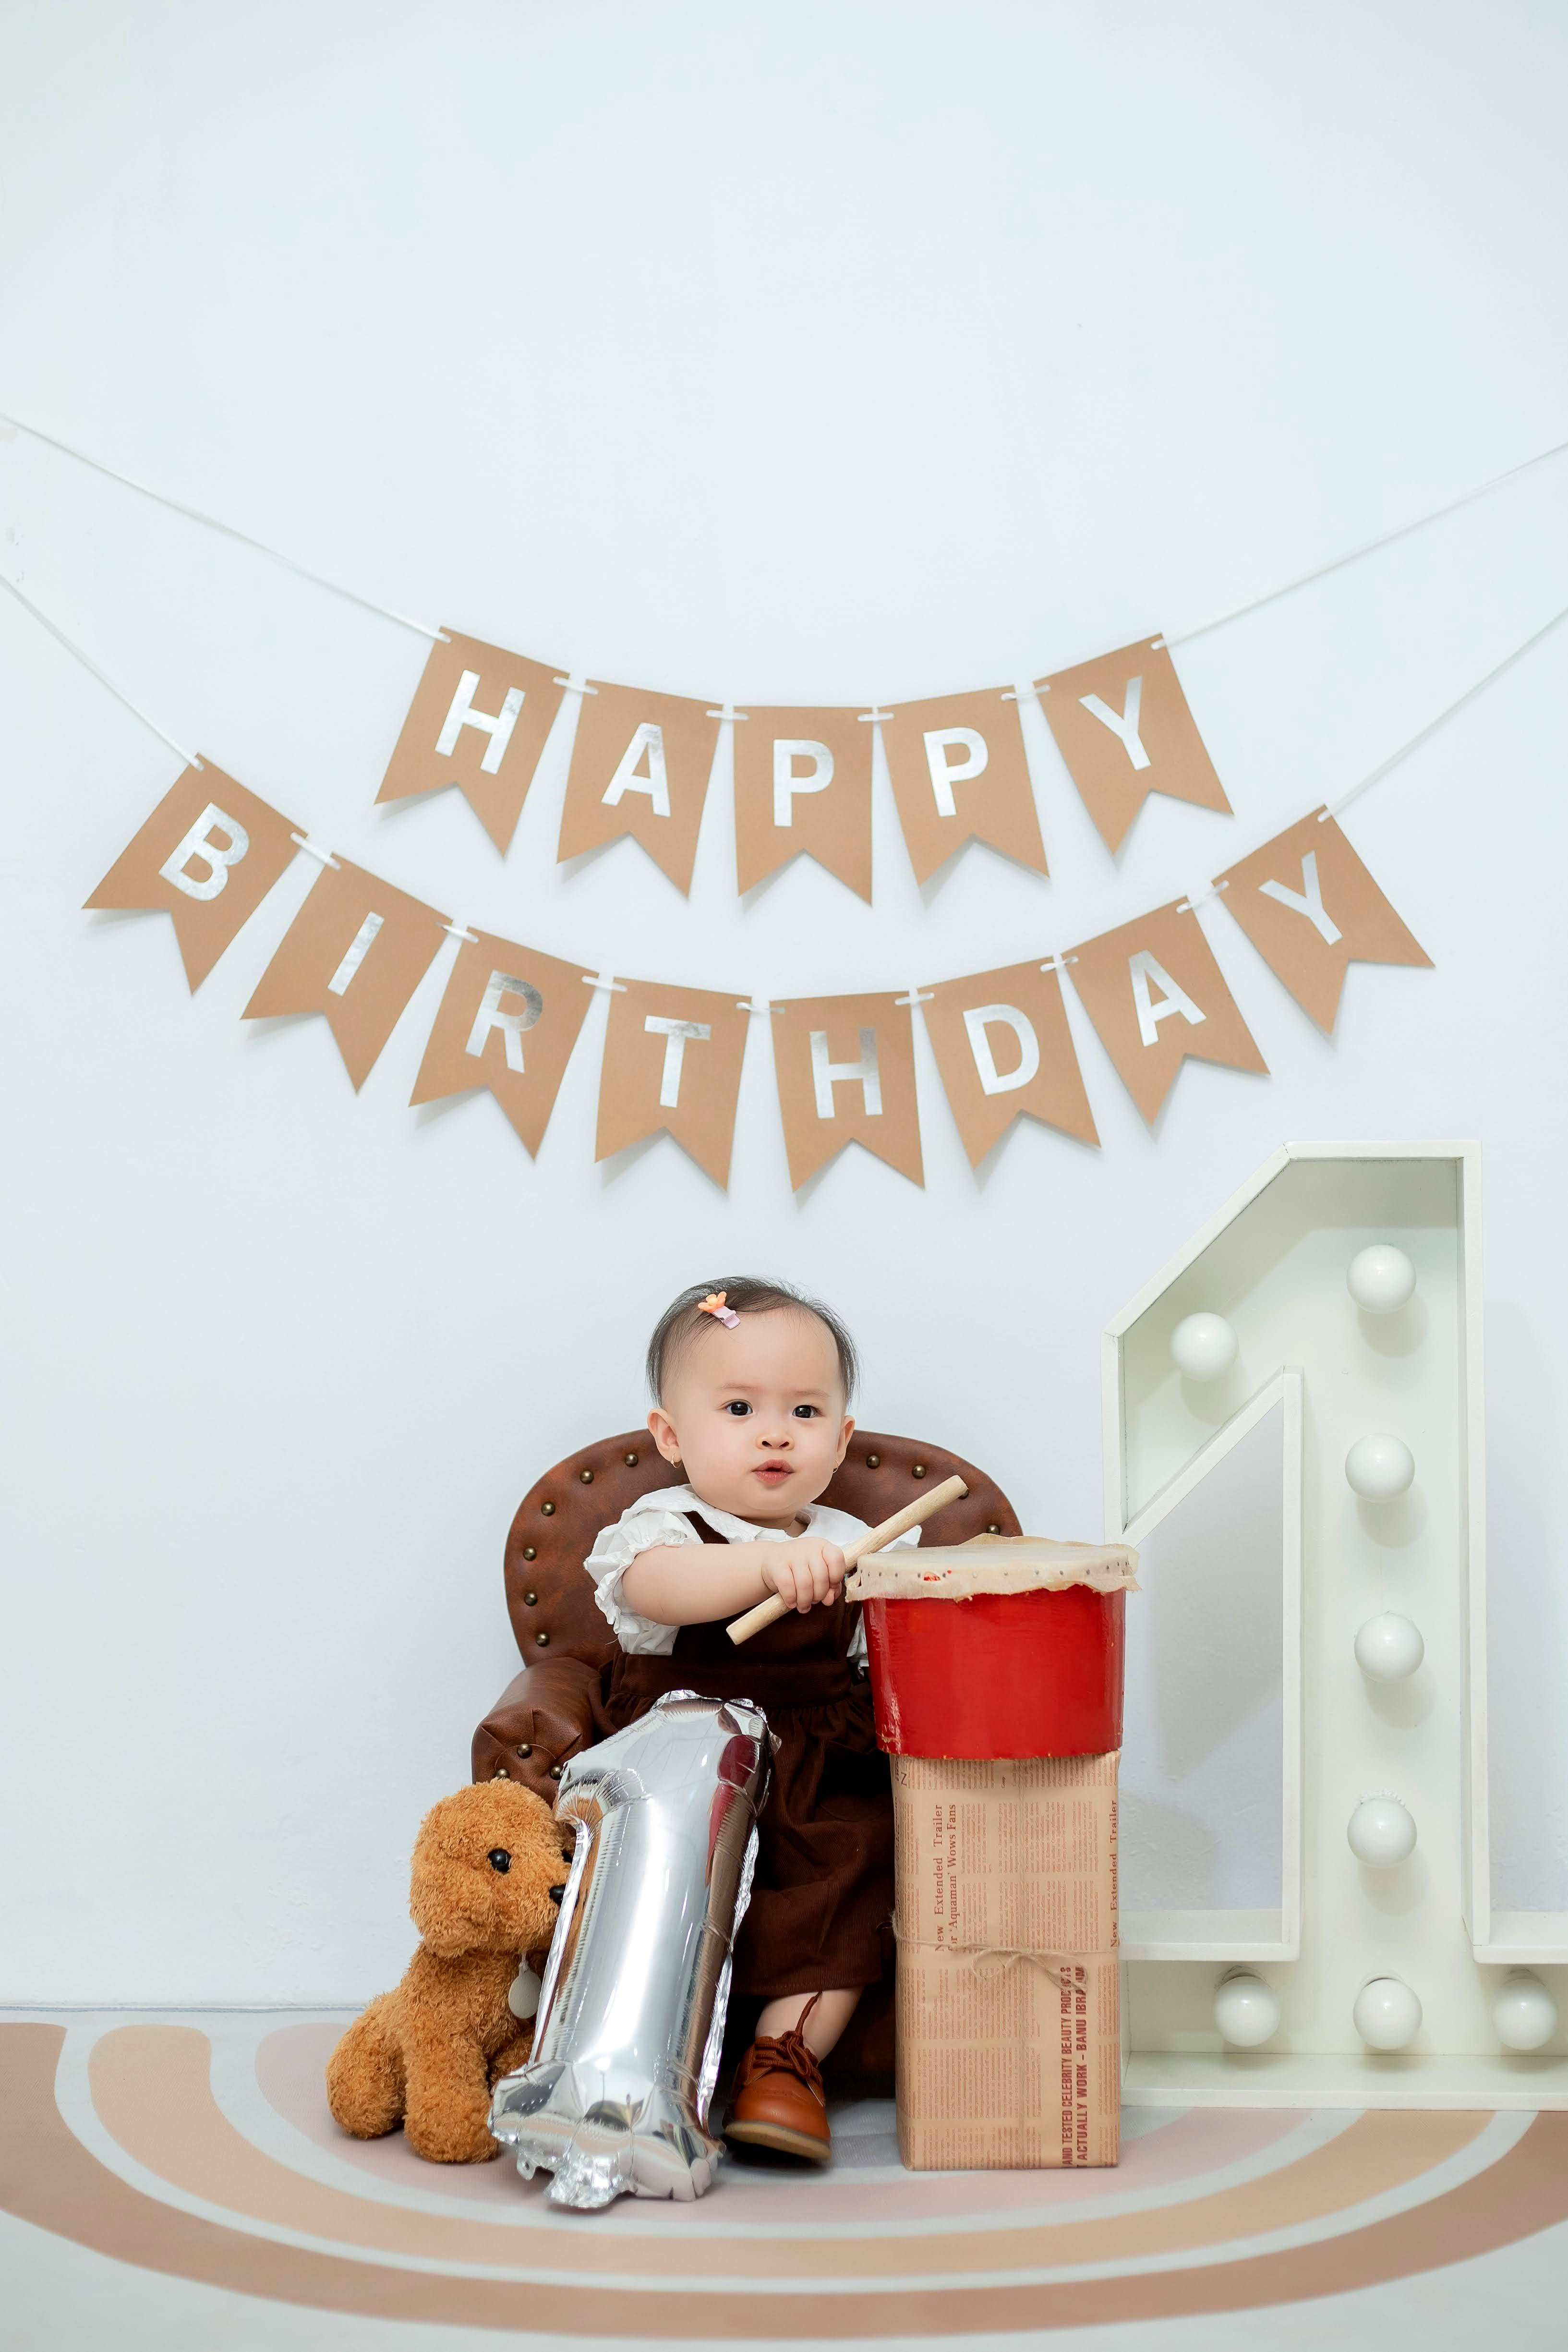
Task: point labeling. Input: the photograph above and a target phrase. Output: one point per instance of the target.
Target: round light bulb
(1380, 1278)
(1202, 1347)
(1523, 2013)
(1381, 1833)
(1386, 2015)
(1380, 1466)
(1246, 2009)
(1389, 1647)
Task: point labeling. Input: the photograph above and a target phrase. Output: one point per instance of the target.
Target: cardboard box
(1009, 2023)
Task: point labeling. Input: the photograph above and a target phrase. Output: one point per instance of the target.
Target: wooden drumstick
(768, 1611)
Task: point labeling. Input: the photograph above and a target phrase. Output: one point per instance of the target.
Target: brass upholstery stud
(530, 1551)
(994, 1528)
(548, 1510)
(525, 1750)
(874, 1462)
(531, 1599)
(543, 1640)
(586, 1476)
(555, 1771)
(500, 1773)
(630, 1460)
(917, 1469)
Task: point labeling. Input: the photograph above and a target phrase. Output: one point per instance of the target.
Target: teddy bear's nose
(555, 1893)
(499, 1859)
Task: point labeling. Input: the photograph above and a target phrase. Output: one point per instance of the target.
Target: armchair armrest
(540, 1719)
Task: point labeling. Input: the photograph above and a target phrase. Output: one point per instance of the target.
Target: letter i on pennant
(478, 719)
(1157, 999)
(671, 1063)
(1311, 909)
(846, 1071)
(356, 952)
(1122, 725)
(207, 855)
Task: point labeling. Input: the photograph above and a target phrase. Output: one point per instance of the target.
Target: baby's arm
(688, 1584)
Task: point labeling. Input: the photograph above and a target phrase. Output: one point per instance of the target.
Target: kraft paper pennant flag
(356, 952)
(1311, 909)
(509, 1021)
(845, 1069)
(208, 855)
(640, 765)
(1003, 1046)
(959, 774)
(1122, 725)
(803, 786)
(672, 1061)
(478, 719)
(1157, 998)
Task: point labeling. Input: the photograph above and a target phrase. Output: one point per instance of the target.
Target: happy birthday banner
(641, 762)
(844, 1066)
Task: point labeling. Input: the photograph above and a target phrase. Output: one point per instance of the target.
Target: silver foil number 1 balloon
(615, 2096)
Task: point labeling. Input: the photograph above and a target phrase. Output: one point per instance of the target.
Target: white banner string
(1201, 898)
(1369, 547)
(423, 629)
(60, 637)
(214, 522)
(1443, 717)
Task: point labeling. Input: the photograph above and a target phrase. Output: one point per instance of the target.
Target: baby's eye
(738, 1406)
(805, 1413)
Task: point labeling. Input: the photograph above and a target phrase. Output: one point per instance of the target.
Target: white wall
(802, 355)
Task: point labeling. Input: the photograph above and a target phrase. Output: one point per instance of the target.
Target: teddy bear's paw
(447, 2143)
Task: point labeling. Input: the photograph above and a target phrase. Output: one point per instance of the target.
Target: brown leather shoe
(779, 2098)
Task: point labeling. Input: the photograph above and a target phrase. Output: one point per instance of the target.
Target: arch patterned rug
(201, 2149)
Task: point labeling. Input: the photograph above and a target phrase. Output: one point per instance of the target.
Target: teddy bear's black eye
(498, 1858)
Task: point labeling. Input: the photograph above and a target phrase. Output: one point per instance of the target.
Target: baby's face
(756, 1414)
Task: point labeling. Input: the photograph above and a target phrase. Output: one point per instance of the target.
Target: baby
(753, 1383)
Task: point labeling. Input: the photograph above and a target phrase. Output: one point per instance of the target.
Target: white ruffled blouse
(659, 1518)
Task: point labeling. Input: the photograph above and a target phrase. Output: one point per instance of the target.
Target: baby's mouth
(773, 1471)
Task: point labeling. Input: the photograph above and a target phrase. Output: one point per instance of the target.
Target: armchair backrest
(549, 1600)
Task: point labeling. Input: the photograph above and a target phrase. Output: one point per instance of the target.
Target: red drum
(1001, 1674)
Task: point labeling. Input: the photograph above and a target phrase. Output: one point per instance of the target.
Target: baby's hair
(746, 1293)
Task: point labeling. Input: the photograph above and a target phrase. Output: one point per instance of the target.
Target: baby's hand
(803, 1573)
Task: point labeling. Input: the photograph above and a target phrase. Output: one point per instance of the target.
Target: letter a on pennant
(1157, 998)
(1004, 1049)
(1122, 725)
(672, 1065)
(845, 1069)
(356, 952)
(208, 855)
(803, 786)
(1311, 909)
(641, 764)
(509, 1021)
(478, 719)
(960, 773)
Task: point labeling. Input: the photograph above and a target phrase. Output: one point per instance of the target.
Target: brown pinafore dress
(821, 1901)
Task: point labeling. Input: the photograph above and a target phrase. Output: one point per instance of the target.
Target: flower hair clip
(714, 1305)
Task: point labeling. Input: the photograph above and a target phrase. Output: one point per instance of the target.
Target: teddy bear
(489, 1871)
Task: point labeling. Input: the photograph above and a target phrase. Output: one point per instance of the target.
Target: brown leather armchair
(544, 1715)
